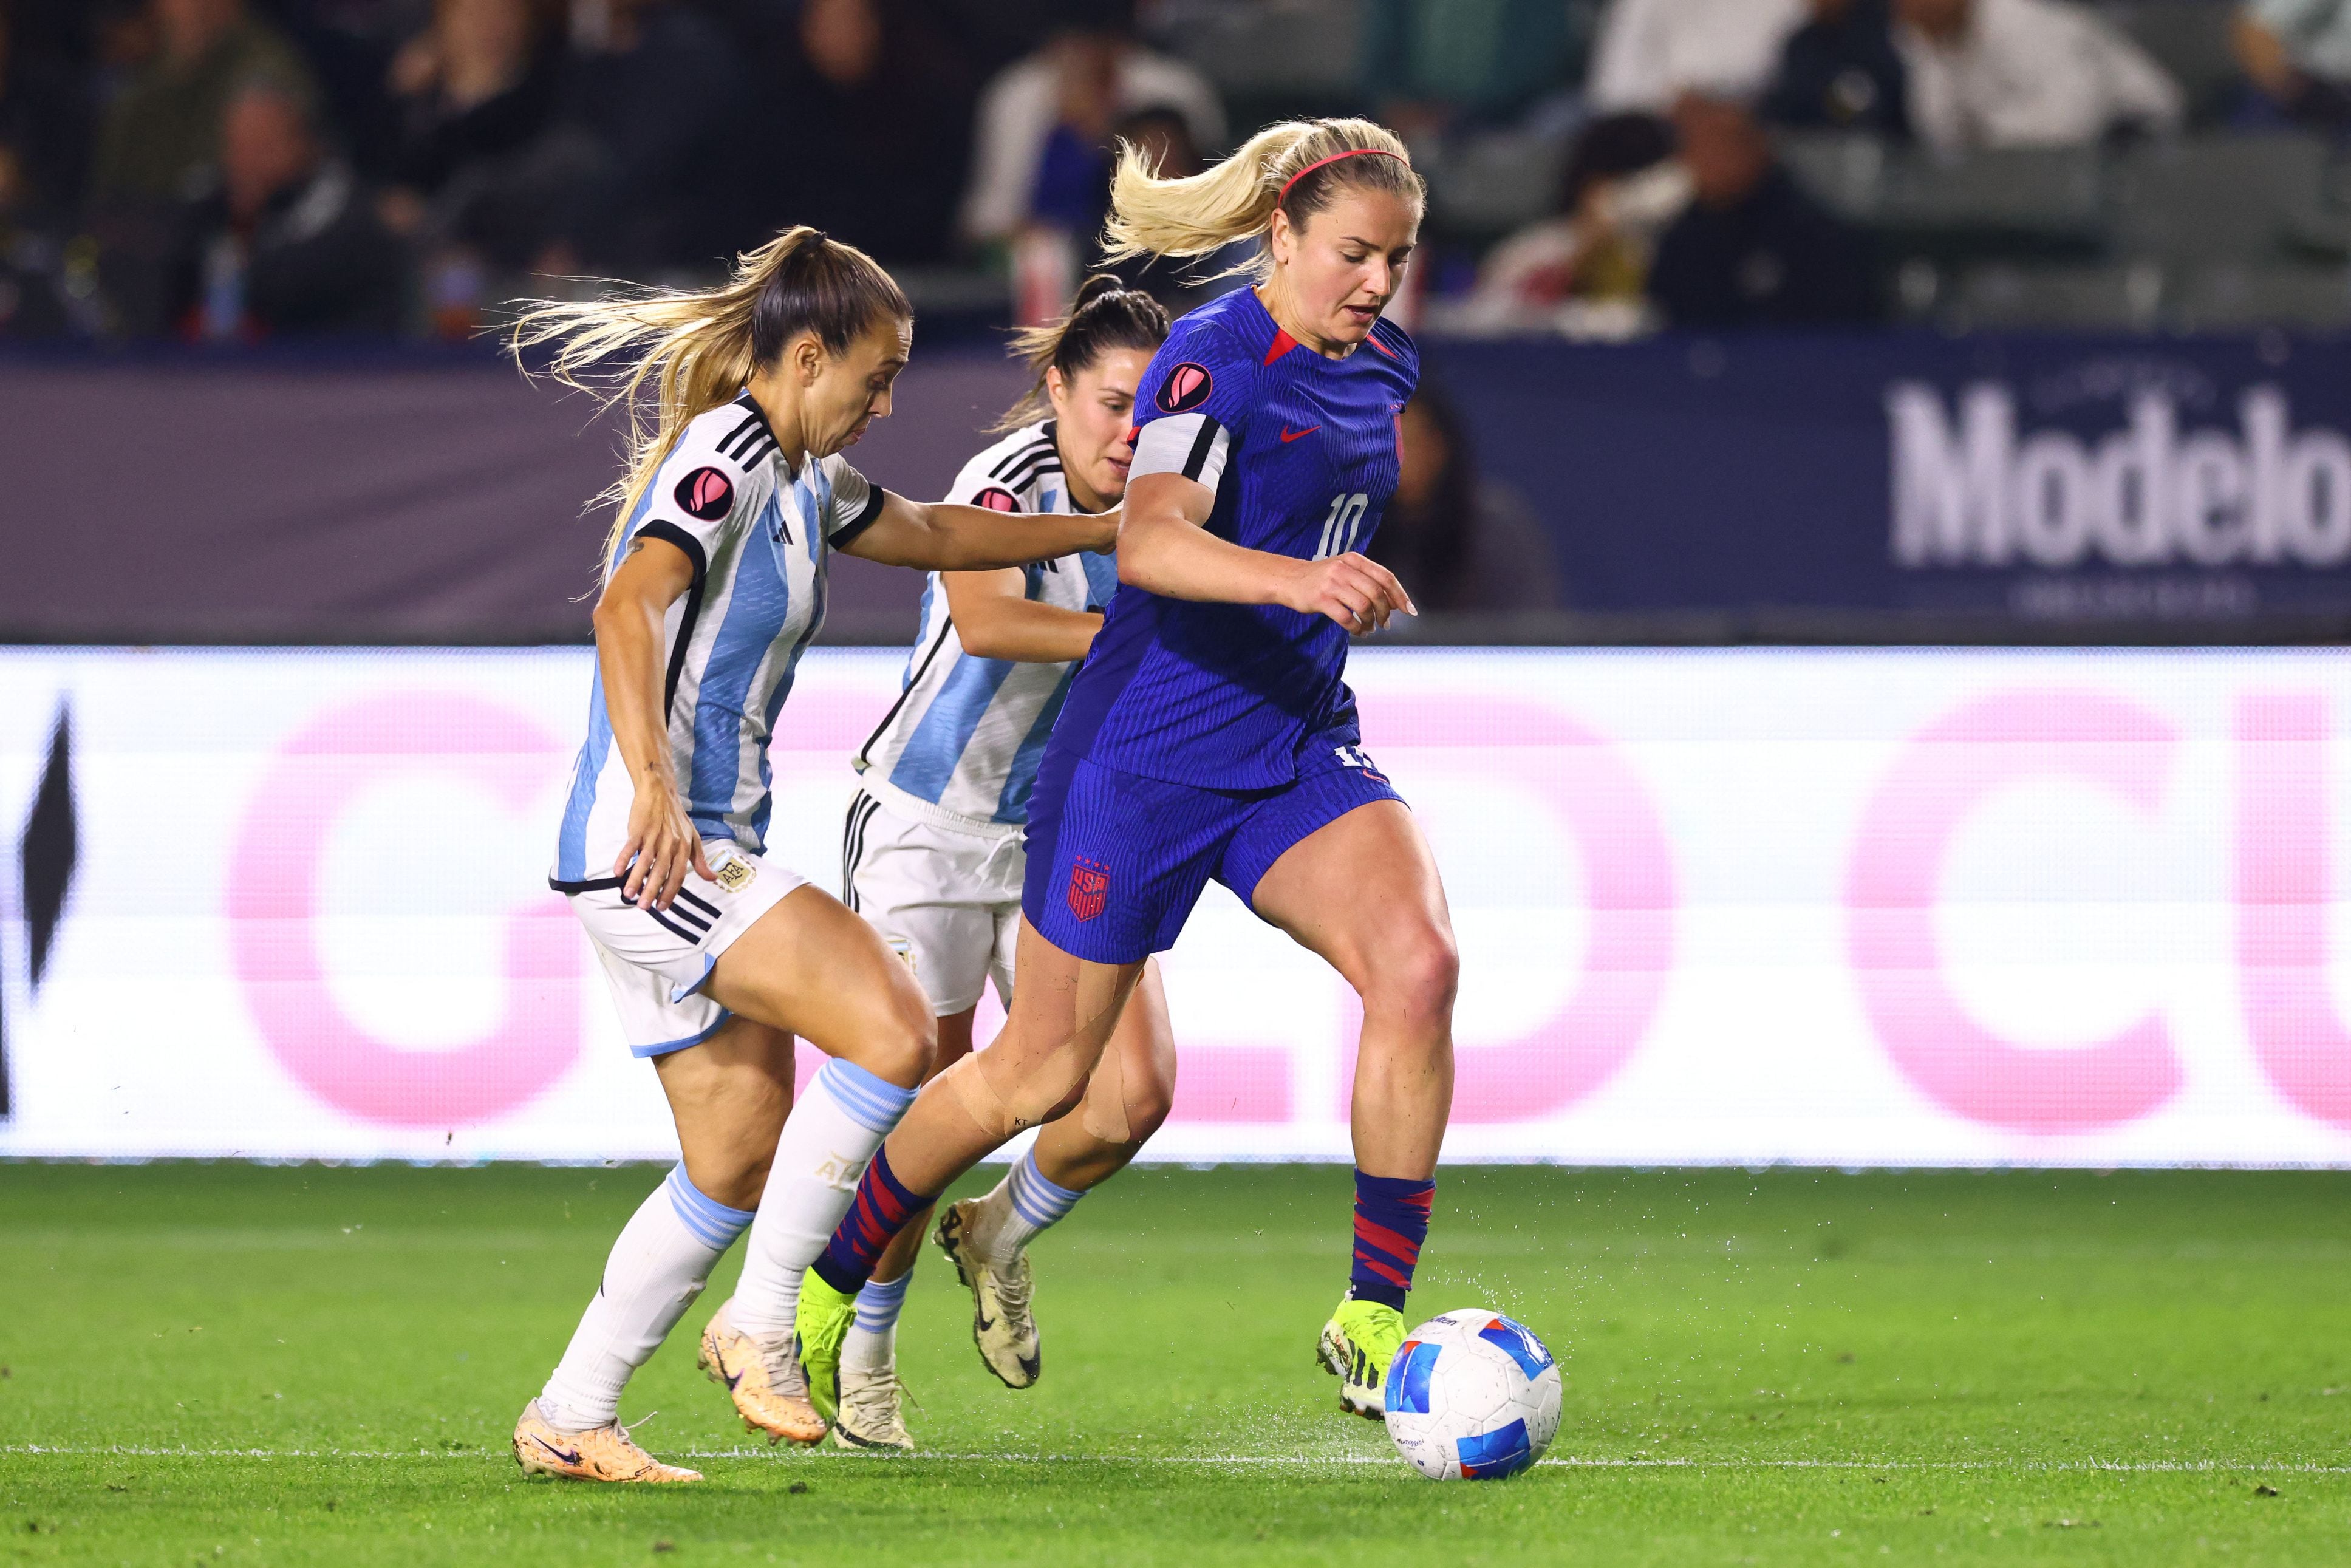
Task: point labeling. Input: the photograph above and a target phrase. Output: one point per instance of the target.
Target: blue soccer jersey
(1300, 450)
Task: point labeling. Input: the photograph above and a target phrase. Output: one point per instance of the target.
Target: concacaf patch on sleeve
(707, 494)
(996, 500)
(1187, 386)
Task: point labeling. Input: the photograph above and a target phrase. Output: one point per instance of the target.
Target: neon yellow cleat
(770, 1390)
(824, 1320)
(599, 1454)
(1357, 1346)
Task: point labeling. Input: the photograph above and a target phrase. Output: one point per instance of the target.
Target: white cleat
(870, 1420)
(1001, 1325)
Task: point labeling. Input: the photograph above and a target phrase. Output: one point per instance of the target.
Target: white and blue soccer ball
(1472, 1396)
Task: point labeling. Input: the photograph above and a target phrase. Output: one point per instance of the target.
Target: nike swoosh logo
(570, 1459)
(1289, 435)
(986, 1323)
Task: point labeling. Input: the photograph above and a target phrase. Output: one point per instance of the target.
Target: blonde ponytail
(698, 347)
(1201, 213)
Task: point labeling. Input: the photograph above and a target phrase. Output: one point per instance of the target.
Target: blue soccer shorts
(1116, 861)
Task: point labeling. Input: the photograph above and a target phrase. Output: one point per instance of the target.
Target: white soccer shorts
(656, 959)
(950, 901)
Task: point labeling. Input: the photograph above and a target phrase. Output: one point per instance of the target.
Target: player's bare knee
(904, 1048)
(915, 1051)
(1418, 974)
(1148, 1103)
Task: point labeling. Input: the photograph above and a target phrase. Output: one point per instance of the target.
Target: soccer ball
(1472, 1396)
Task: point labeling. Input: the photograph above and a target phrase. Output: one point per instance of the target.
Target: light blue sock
(873, 1344)
(1023, 1204)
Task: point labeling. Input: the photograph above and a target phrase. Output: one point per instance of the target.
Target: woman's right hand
(1354, 590)
(663, 846)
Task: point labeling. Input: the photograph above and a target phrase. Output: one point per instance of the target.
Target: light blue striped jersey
(761, 539)
(961, 744)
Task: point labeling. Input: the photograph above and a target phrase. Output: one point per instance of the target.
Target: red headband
(1284, 194)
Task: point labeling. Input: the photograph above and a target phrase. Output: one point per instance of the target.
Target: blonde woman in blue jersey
(1211, 734)
(732, 509)
(932, 850)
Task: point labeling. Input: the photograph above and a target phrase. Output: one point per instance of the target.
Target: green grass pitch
(226, 1364)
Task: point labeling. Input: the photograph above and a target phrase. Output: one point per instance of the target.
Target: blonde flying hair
(1201, 213)
(699, 347)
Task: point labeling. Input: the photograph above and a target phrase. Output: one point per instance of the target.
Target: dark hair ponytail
(1106, 315)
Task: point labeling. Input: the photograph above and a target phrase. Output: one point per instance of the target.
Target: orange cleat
(770, 1390)
(599, 1454)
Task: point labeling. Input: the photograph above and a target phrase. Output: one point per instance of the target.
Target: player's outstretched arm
(1164, 546)
(940, 535)
(662, 844)
(996, 619)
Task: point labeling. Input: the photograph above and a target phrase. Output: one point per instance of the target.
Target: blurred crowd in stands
(233, 170)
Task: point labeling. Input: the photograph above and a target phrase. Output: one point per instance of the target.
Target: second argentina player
(932, 853)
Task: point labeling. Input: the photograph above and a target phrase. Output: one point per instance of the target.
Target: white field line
(1247, 1461)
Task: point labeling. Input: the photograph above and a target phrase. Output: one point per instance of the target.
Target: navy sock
(880, 1210)
(1391, 1222)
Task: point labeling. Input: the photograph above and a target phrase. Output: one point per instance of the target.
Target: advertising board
(1841, 908)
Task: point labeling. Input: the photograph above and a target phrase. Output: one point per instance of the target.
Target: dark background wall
(1682, 489)
(401, 498)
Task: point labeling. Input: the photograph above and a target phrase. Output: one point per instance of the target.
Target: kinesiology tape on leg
(1103, 1114)
(1052, 1077)
(1034, 1099)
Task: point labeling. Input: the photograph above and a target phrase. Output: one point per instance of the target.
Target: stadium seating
(2232, 297)
(2189, 38)
(2100, 293)
(2209, 231)
(1482, 187)
(2217, 196)
(1271, 61)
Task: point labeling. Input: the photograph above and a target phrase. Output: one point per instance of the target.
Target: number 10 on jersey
(1345, 516)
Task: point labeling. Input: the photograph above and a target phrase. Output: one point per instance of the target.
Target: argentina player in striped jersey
(1211, 734)
(717, 957)
(932, 848)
